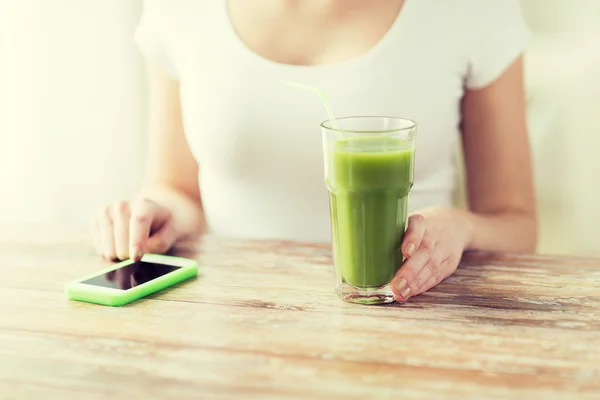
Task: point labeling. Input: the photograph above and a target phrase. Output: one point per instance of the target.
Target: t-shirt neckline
(396, 30)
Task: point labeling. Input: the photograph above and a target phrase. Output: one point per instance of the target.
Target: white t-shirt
(258, 143)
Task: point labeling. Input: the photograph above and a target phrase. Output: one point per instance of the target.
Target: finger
(121, 216)
(414, 234)
(407, 280)
(413, 273)
(438, 252)
(140, 225)
(161, 241)
(107, 240)
(432, 272)
(434, 280)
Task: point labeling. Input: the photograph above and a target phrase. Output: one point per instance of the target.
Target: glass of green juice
(369, 163)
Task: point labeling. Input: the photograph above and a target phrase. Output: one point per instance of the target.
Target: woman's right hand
(125, 230)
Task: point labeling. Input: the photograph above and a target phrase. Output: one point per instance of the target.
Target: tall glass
(369, 164)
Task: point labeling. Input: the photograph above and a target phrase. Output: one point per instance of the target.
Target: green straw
(323, 97)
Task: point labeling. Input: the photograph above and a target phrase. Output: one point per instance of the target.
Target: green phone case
(79, 291)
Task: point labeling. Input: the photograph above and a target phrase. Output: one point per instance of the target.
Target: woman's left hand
(433, 245)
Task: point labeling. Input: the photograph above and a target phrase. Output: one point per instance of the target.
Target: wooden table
(262, 321)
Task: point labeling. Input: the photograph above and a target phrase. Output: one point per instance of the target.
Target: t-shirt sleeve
(152, 36)
(502, 37)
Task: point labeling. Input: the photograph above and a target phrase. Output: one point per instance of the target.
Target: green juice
(369, 181)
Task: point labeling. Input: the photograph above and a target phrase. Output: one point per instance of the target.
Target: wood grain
(262, 321)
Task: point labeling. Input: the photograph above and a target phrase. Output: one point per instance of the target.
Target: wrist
(186, 213)
(466, 221)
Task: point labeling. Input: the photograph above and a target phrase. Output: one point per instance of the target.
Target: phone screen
(131, 275)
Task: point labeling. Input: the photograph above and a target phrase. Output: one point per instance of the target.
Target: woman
(235, 152)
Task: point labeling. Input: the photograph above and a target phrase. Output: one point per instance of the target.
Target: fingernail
(136, 254)
(400, 285)
(405, 293)
(410, 249)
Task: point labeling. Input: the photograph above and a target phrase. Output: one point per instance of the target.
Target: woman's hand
(433, 245)
(129, 230)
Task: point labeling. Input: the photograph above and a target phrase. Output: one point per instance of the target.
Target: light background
(72, 97)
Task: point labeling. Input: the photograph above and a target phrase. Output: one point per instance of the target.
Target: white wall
(563, 78)
(72, 98)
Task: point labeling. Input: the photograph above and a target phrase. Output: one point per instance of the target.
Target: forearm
(187, 212)
(505, 231)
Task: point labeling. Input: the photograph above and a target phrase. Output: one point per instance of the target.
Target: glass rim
(412, 124)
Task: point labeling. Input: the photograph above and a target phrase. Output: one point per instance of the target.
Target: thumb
(162, 240)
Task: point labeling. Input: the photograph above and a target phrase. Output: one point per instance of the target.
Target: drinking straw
(323, 97)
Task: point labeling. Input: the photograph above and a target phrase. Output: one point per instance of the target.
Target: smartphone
(128, 280)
